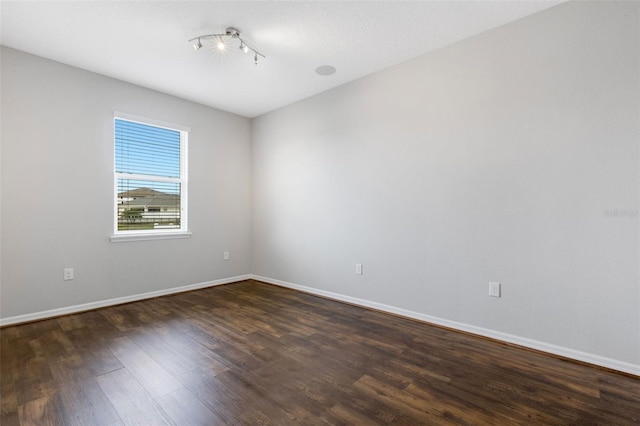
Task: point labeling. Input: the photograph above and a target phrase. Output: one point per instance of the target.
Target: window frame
(143, 235)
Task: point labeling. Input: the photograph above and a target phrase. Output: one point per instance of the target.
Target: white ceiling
(145, 42)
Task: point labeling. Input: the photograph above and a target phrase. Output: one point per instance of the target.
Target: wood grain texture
(251, 353)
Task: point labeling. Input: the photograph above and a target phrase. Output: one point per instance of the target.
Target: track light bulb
(221, 45)
(244, 47)
(255, 59)
(197, 45)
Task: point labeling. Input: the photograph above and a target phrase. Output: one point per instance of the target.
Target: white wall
(494, 159)
(57, 189)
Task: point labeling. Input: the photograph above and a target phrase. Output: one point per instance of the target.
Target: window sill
(123, 238)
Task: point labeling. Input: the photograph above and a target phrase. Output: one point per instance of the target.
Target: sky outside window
(147, 150)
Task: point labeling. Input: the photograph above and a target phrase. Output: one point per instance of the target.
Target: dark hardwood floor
(252, 353)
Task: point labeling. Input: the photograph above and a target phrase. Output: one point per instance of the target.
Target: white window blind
(150, 178)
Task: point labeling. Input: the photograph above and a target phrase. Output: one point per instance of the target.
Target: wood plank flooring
(251, 353)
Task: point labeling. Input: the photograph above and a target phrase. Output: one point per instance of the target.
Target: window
(150, 179)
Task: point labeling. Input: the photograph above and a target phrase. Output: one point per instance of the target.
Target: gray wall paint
(494, 159)
(57, 189)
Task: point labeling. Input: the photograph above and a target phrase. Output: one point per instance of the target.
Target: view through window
(150, 178)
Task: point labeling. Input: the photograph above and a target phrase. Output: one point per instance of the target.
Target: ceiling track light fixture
(220, 42)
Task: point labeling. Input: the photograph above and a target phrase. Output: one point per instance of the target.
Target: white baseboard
(509, 338)
(117, 301)
(504, 337)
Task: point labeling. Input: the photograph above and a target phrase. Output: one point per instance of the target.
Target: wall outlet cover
(68, 274)
(494, 289)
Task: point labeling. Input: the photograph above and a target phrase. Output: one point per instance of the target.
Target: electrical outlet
(359, 268)
(494, 289)
(68, 274)
(225, 256)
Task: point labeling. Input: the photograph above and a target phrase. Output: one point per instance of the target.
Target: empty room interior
(320, 212)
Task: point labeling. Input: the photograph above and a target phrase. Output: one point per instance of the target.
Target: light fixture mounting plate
(233, 32)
